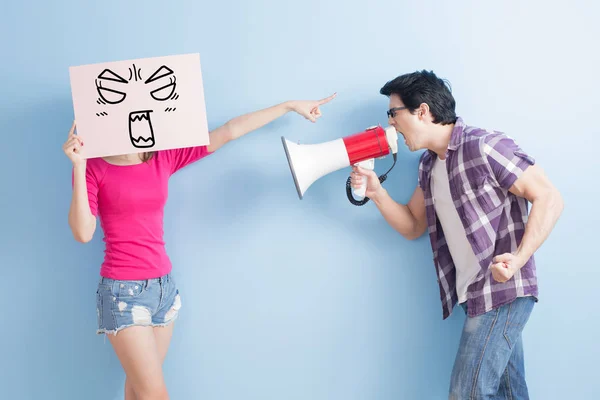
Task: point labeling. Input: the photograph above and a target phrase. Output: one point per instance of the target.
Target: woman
(137, 296)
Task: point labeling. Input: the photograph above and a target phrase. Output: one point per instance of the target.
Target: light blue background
(290, 299)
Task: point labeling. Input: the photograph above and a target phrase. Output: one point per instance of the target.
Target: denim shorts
(124, 303)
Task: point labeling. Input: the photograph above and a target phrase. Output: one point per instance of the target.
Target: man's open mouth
(140, 129)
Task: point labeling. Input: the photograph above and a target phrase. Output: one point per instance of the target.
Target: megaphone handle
(364, 201)
(366, 164)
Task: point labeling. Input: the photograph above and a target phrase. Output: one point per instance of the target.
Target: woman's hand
(72, 147)
(309, 109)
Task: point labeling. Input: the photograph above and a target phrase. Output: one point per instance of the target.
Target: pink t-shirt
(130, 202)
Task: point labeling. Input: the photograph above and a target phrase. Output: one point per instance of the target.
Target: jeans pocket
(519, 311)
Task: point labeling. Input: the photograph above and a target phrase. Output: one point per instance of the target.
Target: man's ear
(423, 111)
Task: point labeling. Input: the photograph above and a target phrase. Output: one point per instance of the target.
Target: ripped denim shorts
(124, 303)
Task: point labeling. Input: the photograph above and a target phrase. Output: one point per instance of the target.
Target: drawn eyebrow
(160, 73)
(111, 76)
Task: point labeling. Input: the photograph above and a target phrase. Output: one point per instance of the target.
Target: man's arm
(516, 171)
(409, 220)
(547, 206)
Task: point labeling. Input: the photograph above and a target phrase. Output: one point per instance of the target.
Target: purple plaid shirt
(482, 165)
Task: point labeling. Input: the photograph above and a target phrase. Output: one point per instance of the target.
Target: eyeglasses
(391, 113)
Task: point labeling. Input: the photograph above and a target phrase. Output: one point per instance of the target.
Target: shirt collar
(458, 134)
(456, 137)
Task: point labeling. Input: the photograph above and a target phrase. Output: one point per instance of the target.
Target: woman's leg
(162, 336)
(137, 350)
(143, 337)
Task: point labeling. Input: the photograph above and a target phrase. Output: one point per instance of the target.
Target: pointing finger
(327, 99)
(71, 132)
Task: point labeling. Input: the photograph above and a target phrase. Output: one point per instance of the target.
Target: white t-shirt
(465, 261)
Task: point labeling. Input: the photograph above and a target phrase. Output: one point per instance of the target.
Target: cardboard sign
(139, 105)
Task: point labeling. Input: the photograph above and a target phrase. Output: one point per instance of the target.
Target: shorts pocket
(128, 289)
(99, 307)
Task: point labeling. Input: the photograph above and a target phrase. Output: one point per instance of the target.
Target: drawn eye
(110, 96)
(165, 92)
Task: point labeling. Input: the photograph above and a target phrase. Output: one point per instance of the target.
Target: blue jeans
(149, 302)
(489, 363)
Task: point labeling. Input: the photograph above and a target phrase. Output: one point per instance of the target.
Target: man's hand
(505, 265)
(359, 174)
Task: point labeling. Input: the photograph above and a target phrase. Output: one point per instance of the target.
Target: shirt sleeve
(179, 158)
(92, 188)
(506, 159)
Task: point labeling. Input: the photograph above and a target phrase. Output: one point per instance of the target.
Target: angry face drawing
(113, 89)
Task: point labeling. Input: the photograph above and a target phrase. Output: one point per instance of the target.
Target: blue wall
(285, 298)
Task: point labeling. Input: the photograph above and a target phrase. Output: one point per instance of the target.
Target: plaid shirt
(482, 165)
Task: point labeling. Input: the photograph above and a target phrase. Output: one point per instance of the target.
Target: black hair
(424, 87)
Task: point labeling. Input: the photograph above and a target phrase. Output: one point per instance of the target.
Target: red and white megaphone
(309, 162)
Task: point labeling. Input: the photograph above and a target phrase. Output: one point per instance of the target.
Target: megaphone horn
(309, 162)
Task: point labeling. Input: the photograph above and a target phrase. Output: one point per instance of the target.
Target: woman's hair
(147, 156)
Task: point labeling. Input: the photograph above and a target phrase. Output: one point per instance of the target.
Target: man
(472, 197)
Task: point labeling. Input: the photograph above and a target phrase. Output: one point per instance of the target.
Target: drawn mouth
(140, 129)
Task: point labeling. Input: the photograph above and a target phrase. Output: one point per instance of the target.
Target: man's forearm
(545, 211)
(398, 215)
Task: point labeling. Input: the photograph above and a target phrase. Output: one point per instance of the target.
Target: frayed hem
(120, 328)
(167, 323)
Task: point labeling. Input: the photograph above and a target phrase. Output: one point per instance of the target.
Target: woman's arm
(239, 126)
(81, 219)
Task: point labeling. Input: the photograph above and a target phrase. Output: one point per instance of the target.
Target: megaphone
(309, 162)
